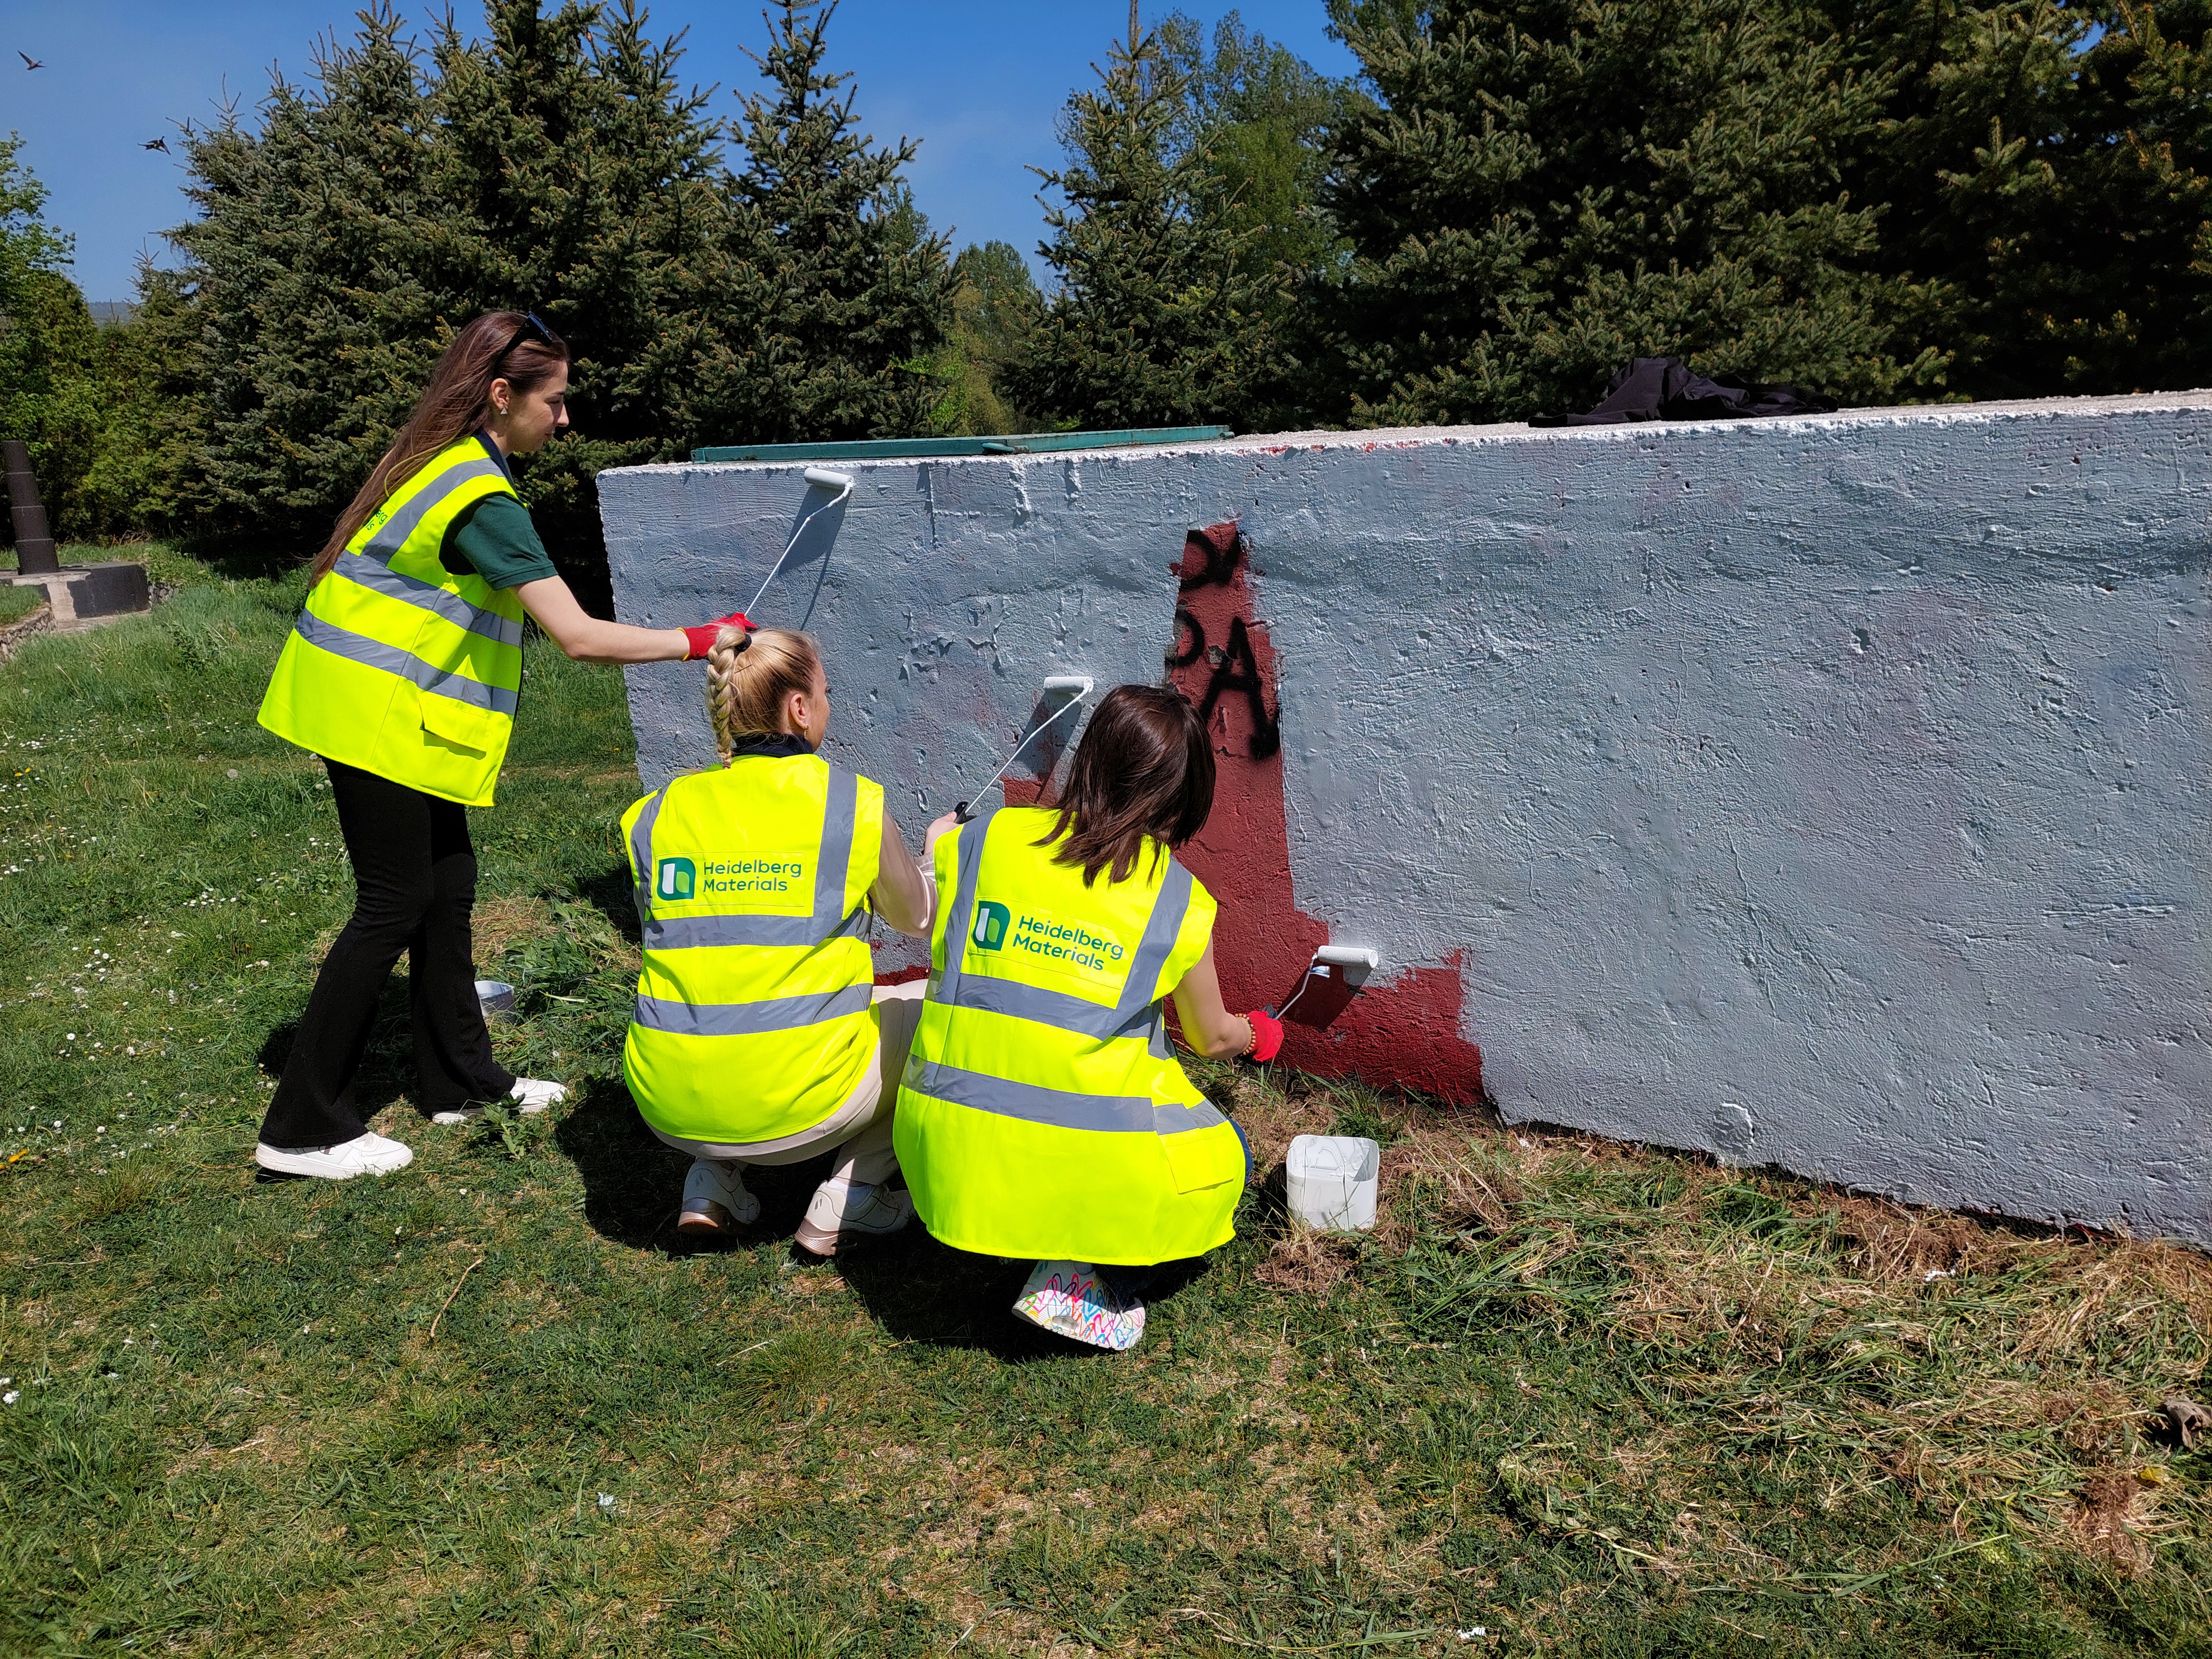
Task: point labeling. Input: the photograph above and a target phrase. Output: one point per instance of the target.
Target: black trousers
(415, 884)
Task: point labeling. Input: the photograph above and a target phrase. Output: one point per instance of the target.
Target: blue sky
(978, 80)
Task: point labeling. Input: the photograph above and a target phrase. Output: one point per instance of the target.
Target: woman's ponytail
(750, 677)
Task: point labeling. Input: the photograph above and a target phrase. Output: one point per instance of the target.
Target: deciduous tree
(49, 350)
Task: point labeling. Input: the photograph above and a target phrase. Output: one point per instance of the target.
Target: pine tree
(145, 464)
(1547, 188)
(1166, 308)
(845, 293)
(2047, 170)
(583, 182)
(555, 164)
(323, 274)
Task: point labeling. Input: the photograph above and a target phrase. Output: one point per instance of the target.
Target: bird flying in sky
(29, 62)
(161, 144)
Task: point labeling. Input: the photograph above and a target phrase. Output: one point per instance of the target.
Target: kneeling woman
(1042, 1112)
(759, 1037)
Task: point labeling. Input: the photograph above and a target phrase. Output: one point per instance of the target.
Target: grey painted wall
(1826, 793)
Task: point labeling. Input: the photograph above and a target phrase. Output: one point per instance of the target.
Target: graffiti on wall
(1405, 1026)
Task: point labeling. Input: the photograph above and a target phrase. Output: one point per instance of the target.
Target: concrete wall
(1826, 793)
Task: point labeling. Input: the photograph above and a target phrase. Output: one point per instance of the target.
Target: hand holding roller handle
(1266, 1036)
(698, 641)
(960, 812)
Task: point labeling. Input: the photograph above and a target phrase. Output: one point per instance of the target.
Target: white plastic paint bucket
(1330, 1181)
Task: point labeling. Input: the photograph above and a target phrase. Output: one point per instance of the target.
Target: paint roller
(1073, 690)
(1335, 973)
(818, 477)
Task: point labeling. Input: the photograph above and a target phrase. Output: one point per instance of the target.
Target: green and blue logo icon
(992, 921)
(676, 878)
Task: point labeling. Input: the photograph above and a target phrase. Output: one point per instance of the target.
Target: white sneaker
(715, 1200)
(365, 1154)
(858, 1211)
(535, 1094)
(530, 1094)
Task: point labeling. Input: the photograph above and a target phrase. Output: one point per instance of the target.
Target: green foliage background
(1887, 200)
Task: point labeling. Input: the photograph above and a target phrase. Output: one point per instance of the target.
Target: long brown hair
(499, 345)
(750, 677)
(1144, 767)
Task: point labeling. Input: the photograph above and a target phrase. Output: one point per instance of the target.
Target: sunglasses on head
(532, 324)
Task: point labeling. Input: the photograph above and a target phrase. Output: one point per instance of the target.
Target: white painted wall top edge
(1519, 433)
(1938, 414)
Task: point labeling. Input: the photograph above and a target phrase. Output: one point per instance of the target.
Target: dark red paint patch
(1404, 1029)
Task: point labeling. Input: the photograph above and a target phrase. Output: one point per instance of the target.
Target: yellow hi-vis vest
(1042, 1113)
(398, 665)
(754, 1017)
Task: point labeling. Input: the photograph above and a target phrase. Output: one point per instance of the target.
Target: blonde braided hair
(749, 677)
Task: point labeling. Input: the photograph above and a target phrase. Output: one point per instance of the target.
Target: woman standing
(403, 674)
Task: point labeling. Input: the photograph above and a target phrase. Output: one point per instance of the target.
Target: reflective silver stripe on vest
(1163, 927)
(436, 682)
(380, 578)
(1055, 1008)
(836, 859)
(963, 904)
(750, 1018)
(392, 535)
(703, 932)
(1059, 1109)
(641, 851)
(839, 824)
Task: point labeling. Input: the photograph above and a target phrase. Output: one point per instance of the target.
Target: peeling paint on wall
(1827, 792)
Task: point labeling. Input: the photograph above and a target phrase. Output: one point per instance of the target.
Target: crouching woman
(759, 1037)
(1042, 1112)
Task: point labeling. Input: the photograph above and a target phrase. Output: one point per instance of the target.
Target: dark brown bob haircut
(1144, 767)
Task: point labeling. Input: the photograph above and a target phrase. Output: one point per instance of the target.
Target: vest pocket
(1199, 1158)
(457, 725)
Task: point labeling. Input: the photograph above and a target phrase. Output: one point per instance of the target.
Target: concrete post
(35, 545)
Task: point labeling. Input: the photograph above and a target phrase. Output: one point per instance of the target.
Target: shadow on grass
(613, 894)
(918, 1289)
(631, 1181)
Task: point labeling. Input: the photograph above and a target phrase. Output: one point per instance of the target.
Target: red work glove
(1266, 1035)
(699, 641)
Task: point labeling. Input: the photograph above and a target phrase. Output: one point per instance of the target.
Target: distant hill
(108, 313)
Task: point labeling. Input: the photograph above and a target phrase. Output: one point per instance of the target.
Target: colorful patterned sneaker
(1068, 1298)
(715, 1200)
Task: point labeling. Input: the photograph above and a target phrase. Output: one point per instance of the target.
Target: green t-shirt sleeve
(496, 538)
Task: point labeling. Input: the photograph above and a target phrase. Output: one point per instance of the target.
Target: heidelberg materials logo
(676, 878)
(991, 921)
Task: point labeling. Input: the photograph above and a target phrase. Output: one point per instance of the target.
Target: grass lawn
(1572, 1398)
